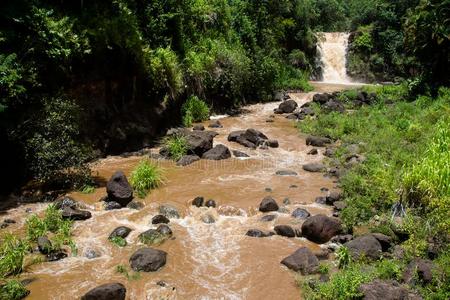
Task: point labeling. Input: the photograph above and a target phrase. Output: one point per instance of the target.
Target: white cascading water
(333, 49)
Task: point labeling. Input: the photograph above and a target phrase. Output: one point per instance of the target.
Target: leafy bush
(146, 176)
(194, 110)
(176, 145)
(13, 290)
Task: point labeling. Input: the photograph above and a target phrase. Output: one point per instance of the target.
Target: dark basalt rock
(284, 230)
(364, 246)
(210, 203)
(268, 204)
(300, 213)
(164, 229)
(314, 167)
(56, 255)
(268, 218)
(320, 228)
(317, 141)
(421, 269)
(272, 143)
(384, 289)
(384, 240)
(75, 214)
(119, 190)
(286, 173)
(287, 106)
(219, 152)
(198, 201)
(109, 291)
(110, 205)
(187, 160)
(302, 260)
(321, 98)
(65, 202)
(148, 260)
(160, 219)
(200, 141)
(121, 231)
(257, 233)
(342, 238)
(313, 151)
(237, 153)
(233, 136)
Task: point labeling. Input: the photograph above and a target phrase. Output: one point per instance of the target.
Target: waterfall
(333, 49)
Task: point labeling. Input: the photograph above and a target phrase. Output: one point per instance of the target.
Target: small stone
(237, 153)
(110, 205)
(313, 151)
(286, 173)
(268, 189)
(91, 254)
(210, 203)
(198, 127)
(169, 211)
(268, 218)
(293, 186)
(300, 213)
(198, 201)
(284, 230)
(268, 204)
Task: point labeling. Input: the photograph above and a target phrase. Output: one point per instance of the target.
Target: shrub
(13, 290)
(194, 110)
(146, 176)
(176, 145)
(343, 257)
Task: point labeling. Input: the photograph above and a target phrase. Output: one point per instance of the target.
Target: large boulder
(187, 159)
(268, 204)
(317, 141)
(321, 98)
(219, 152)
(320, 228)
(334, 105)
(302, 260)
(200, 141)
(254, 136)
(109, 291)
(287, 106)
(364, 246)
(384, 289)
(233, 136)
(119, 190)
(148, 260)
(249, 138)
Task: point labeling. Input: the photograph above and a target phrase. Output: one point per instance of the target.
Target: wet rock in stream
(268, 218)
(250, 138)
(303, 261)
(160, 219)
(215, 124)
(300, 213)
(75, 214)
(258, 233)
(121, 231)
(155, 236)
(210, 203)
(284, 230)
(286, 173)
(219, 152)
(187, 160)
(111, 205)
(119, 189)
(237, 153)
(148, 260)
(313, 151)
(109, 291)
(44, 244)
(268, 204)
(198, 127)
(198, 201)
(320, 228)
(314, 167)
(286, 107)
(91, 254)
(169, 211)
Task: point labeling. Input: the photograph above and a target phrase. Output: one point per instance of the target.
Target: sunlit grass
(146, 176)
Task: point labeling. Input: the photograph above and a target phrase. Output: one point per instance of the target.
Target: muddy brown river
(205, 261)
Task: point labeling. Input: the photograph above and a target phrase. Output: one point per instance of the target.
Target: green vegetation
(405, 143)
(12, 252)
(13, 290)
(88, 189)
(146, 176)
(118, 241)
(176, 146)
(194, 110)
(124, 271)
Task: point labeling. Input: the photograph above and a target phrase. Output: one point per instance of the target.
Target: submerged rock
(284, 230)
(158, 219)
(119, 190)
(91, 254)
(286, 173)
(215, 124)
(314, 167)
(187, 160)
(198, 201)
(148, 260)
(109, 291)
(237, 153)
(198, 127)
(169, 211)
(257, 233)
(320, 228)
(110, 205)
(268, 218)
(268, 204)
(303, 261)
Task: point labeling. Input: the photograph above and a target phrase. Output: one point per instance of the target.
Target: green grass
(87, 189)
(176, 145)
(194, 110)
(12, 253)
(118, 241)
(13, 290)
(146, 176)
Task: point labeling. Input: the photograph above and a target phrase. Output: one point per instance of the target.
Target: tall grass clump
(12, 253)
(176, 145)
(194, 110)
(146, 176)
(13, 290)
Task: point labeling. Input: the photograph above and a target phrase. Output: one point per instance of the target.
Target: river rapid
(204, 261)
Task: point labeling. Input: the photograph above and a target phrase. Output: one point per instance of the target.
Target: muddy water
(205, 261)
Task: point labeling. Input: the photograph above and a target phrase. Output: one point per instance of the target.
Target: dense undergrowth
(403, 184)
